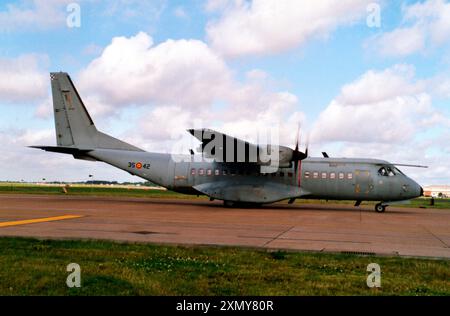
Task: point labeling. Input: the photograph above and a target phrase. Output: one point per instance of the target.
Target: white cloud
(441, 86)
(375, 86)
(22, 79)
(265, 26)
(184, 83)
(45, 109)
(33, 14)
(393, 120)
(387, 115)
(387, 106)
(249, 110)
(134, 71)
(425, 24)
(401, 41)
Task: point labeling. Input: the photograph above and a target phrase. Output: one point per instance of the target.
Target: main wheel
(228, 203)
(380, 208)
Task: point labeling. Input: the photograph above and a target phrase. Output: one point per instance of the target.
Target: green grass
(18, 188)
(35, 267)
(88, 190)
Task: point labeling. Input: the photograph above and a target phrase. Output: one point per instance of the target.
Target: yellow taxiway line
(38, 220)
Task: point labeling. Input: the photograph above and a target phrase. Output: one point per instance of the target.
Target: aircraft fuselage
(316, 178)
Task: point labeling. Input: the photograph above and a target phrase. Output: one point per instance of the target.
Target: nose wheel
(380, 208)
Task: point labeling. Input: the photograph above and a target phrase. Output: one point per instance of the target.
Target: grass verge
(38, 267)
(18, 188)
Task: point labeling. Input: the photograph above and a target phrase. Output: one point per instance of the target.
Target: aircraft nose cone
(418, 191)
(415, 190)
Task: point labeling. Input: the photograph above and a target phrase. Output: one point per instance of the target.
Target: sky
(365, 79)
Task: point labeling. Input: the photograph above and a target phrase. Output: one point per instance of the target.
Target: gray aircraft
(225, 173)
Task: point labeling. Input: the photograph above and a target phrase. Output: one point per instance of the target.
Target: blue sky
(234, 65)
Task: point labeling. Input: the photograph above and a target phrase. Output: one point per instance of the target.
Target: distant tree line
(93, 182)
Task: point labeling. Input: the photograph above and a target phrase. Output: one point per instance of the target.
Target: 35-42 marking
(138, 165)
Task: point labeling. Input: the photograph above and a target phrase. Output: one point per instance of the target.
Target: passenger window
(307, 174)
(217, 172)
(224, 172)
(341, 176)
(324, 175)
(209, 172)
(332, 175)
(349, 175)
(201, 172)
(281, 174)
(315, 175)
(193, 171)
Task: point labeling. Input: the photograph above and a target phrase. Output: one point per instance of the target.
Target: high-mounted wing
(225, 148)
(228, 149)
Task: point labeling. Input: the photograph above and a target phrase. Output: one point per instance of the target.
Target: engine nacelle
(285, 156)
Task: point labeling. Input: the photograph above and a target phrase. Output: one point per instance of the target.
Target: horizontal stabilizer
(77, 153)
(62, 150)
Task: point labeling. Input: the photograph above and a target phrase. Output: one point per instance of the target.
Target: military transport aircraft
(225, 173)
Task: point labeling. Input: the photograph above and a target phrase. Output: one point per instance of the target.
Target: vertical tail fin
(73, 124)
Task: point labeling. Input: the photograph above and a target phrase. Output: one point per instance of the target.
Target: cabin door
(181, 174)
(363, 183)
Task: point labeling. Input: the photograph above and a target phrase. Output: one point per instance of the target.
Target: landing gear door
(363, 183)
(181, 175)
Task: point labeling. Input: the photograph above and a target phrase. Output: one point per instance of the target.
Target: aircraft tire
(228, 203)
(380, 208)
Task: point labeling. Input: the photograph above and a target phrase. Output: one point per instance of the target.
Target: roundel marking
(139, 165)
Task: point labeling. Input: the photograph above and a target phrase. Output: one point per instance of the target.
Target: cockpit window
(387, 171)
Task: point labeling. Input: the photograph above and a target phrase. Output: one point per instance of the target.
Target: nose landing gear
(380, 208)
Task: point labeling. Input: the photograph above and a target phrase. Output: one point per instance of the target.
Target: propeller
(297, 155)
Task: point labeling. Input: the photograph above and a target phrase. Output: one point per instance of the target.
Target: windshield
(388, 171)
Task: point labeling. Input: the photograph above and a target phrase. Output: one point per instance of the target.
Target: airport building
(437, 191)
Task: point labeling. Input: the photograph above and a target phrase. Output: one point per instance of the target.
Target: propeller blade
(297, 155)
(307, 146)
(297, 138)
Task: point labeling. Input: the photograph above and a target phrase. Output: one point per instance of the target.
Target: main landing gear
(380, 208)
(233, 204)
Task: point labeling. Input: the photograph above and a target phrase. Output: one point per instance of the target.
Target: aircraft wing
(225, 148)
